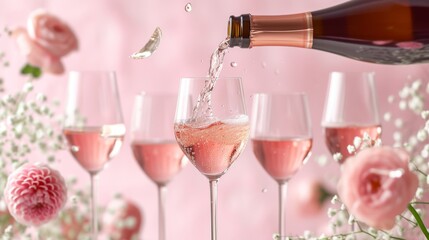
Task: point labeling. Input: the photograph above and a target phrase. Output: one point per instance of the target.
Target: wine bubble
(188, 7)
(233, 64)
(150, 47)
(264, 190)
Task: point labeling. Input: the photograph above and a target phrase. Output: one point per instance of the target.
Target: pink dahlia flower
(35, 193)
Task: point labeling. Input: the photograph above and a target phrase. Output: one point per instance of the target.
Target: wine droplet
(233, 64)
(188, 7)
(264, 190)
(150, 47)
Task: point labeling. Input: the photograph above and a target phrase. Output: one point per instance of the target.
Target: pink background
(110, 31)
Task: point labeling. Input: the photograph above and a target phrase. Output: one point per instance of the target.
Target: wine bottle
(376, 31)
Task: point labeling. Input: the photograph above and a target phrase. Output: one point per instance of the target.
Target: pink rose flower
(45, 41)
(34, 194)
(376, 185)
(122, 219)
(51, 33)
(36, 54)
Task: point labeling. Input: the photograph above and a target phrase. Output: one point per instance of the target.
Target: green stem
(409, 220)
(419, 220)
(419, 202)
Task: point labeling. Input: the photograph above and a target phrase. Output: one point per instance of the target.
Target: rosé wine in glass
(90, 148)
(281, 139)
(93, 125)
(351, 109)
(154, 146)
(338, 138)
(213, 148)
(161, 161)
(211, 125)
(282, 158)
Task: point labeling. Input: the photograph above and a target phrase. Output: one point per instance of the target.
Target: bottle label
(294, 30)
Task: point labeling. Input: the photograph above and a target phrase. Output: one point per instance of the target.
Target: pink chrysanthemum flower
(35, 193)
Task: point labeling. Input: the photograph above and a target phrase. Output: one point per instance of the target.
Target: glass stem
(213, 208)
(162, 191)
(94, 220)
(282, 209)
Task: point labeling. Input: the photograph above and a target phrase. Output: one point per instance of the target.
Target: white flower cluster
(30, 127)
(344, 226)
(25, 124)
(412, 98)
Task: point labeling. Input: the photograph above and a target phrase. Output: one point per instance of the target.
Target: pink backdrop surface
(110, 31)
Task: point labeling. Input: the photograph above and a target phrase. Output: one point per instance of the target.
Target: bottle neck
(239, 31)
(295, 30)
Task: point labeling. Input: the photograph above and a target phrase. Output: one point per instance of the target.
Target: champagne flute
(281, 139)
(212, 128)
(154, 145)
(351, 110)
(93, 126)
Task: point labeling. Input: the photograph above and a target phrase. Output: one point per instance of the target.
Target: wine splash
(203, 109)
(149, 48)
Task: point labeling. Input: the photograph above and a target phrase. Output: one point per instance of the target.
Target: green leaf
(29, 69)
(37, 72)
(26, 69)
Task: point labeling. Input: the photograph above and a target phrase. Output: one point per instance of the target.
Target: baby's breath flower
(424, 114)
(337, 157)
(387, 116)
(307, 234)
(399, 123)
(416, 104)
(334, 199)
(402, 105)
(366, 137)
(331, 212)
(421, 135)
(351, 220)
(378, 142)
(415, 86)
(351, 149)
(41, 97)
(425, 152)
(419, 193)
(28, 87)
(405, 92)
(357, 141)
